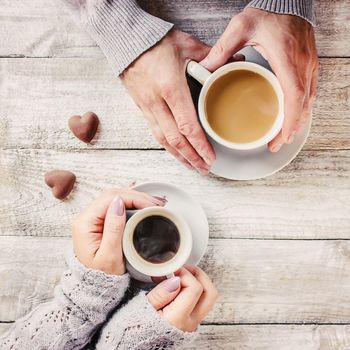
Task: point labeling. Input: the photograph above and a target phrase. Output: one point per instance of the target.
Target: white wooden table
(279, 250)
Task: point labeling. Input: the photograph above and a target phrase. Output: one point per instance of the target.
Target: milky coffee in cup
(241, 106)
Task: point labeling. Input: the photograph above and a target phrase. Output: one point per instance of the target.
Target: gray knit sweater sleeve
(301, 8)
(120, 28)
(124, 31)
(138, 326)
(82, 301)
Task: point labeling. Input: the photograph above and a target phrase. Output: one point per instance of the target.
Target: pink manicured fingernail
(276, 147)
(119, 206)
(159, 200)
(172, 284)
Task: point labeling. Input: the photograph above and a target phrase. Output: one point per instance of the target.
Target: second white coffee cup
(141, 266)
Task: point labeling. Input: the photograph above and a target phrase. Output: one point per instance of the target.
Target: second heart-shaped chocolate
(61, 182)
(85, 127)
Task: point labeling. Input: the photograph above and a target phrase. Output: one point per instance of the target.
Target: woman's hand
(186, 299)
(288, 43)
(98, 230)
(157, 83)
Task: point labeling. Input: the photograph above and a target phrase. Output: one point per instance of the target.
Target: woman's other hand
(186, 299)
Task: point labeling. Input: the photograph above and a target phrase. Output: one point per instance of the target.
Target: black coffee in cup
(156, 239)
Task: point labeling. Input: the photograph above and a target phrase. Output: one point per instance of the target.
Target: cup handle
(198, 72)
(171, 275)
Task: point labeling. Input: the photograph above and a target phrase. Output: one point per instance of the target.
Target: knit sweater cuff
(90, 292)
(122, 30)
(137, 325)
(301, 8)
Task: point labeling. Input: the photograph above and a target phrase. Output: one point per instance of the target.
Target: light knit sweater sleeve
(138, 326)
(81, 304)
(120, 28)
(301, 8)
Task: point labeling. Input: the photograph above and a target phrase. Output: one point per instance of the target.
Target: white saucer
(256, 164)
(189, 209)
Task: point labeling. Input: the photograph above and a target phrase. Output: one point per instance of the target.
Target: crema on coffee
(156, 239)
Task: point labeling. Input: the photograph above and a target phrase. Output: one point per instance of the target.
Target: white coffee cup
(138, 266)
(206, 78)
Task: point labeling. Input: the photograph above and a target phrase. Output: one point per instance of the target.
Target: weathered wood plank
(29, 270)
(266, 337)
(260, 281)
(39, 95)
(45, 28)
(207, 19)
(4, 327)
(308, 199)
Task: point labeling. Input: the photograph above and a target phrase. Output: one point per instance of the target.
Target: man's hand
(288, 43)
(157, 83)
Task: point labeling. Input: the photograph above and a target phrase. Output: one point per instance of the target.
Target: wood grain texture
(4, 327)
(266, 337)
(259, 281)
(29, 270)
(39, 95)
(279, 249)
(45, 28)
(308, 199)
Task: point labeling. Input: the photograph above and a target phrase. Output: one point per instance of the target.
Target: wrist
(106, 263)
(82, 287)
(110, 268)
(123, 31)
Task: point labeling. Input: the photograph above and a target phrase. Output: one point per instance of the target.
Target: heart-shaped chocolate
(85, 127)
(61, 182)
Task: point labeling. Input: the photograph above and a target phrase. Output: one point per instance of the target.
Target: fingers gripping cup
(156, 243)
(240, 105)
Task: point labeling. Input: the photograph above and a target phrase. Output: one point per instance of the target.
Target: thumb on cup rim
(113, 227)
